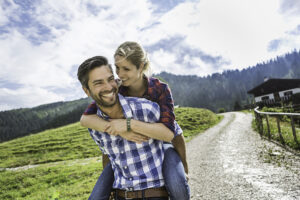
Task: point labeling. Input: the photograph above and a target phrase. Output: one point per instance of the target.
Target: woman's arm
(152, 130)
(94, 122)
(179, 145)
(168, 119)
(99, 124)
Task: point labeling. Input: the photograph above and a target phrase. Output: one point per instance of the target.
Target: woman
(131, 65)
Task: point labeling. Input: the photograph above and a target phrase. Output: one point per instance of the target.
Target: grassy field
(68, 159)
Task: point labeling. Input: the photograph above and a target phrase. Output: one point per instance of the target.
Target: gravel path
(230, 161)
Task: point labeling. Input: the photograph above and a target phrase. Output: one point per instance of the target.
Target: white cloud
(76, 34)
(26, 97)
(237, 31)
(7, 11)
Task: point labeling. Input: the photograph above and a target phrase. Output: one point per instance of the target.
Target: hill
(21, 122)
(67, 159)
(229, 89)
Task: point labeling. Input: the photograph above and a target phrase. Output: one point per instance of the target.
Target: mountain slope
(21, 122)
(224, 90)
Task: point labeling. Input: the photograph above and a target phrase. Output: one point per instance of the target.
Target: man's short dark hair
(87, 66)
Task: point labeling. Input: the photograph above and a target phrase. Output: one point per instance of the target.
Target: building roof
(274, 85)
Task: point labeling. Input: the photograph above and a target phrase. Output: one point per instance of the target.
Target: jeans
(173, 172)
(174, 175)
(103, 186)
(152, 198)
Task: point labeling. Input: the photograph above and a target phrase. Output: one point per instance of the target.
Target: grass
(66, 180)
(65, 143)
(195, 120)
(286, 131)
(65, 172)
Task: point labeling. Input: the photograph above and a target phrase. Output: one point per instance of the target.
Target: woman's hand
(134, 137)
(116, 126)
(119, 127)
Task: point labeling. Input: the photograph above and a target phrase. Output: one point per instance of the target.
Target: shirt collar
(125, 106)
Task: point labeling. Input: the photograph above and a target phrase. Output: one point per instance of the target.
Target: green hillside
(68, 159)
(20, 122)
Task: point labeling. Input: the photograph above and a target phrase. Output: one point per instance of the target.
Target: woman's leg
(104, 184)
(174, 175)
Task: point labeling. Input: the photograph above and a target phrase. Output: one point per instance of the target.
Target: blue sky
(43, 42)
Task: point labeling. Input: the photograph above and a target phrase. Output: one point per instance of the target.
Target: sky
(42, 43)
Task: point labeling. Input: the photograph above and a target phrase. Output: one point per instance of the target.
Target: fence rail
(259, 116)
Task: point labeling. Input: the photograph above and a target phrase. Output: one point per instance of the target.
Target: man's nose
(108, 86)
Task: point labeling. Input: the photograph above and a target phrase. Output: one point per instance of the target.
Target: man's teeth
(108, 95)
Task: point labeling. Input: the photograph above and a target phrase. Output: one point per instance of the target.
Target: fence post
(261, 125)
(294, 131)
(269, 133)
(279, 131)
(257, 122)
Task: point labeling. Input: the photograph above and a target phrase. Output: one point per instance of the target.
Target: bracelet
(128, 124)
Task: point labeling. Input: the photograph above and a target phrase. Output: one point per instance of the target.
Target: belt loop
(143, 194)
(115, 194)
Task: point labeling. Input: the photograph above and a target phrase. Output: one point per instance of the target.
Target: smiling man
(137, 167)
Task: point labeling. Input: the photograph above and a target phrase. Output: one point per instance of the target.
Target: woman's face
(127, 72)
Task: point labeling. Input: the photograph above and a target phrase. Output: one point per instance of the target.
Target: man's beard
(101, 102)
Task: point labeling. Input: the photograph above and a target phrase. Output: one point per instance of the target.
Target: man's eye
(126, 69)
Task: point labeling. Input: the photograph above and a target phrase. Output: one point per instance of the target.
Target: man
(137, 167)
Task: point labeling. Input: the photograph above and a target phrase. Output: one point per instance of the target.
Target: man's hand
(134, 137)
(119, 127)
(116, 127)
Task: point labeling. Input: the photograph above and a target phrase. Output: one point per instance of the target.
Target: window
(288, 93)
(265, 98)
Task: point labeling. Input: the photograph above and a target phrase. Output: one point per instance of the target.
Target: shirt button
(125, 167)
(130, 179)
(122, 152)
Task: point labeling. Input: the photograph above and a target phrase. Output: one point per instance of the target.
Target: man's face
(102, 86)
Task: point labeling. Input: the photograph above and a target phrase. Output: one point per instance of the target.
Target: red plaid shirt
(158, 92)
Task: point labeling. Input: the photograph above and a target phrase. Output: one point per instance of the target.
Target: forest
(226, 90)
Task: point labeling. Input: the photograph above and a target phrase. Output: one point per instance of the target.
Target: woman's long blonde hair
(134, 52)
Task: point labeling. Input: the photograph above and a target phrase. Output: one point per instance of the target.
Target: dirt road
(230, 161)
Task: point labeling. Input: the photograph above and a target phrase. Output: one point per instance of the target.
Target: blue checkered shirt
(135, 166)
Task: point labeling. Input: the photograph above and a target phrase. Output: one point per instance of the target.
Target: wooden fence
(259, 116)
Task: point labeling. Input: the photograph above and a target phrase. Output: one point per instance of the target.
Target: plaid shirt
(158, 92)
(135, 166)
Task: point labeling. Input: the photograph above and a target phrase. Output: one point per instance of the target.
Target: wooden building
(275, 90)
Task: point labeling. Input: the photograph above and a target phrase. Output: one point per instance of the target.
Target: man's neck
(114, 112)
